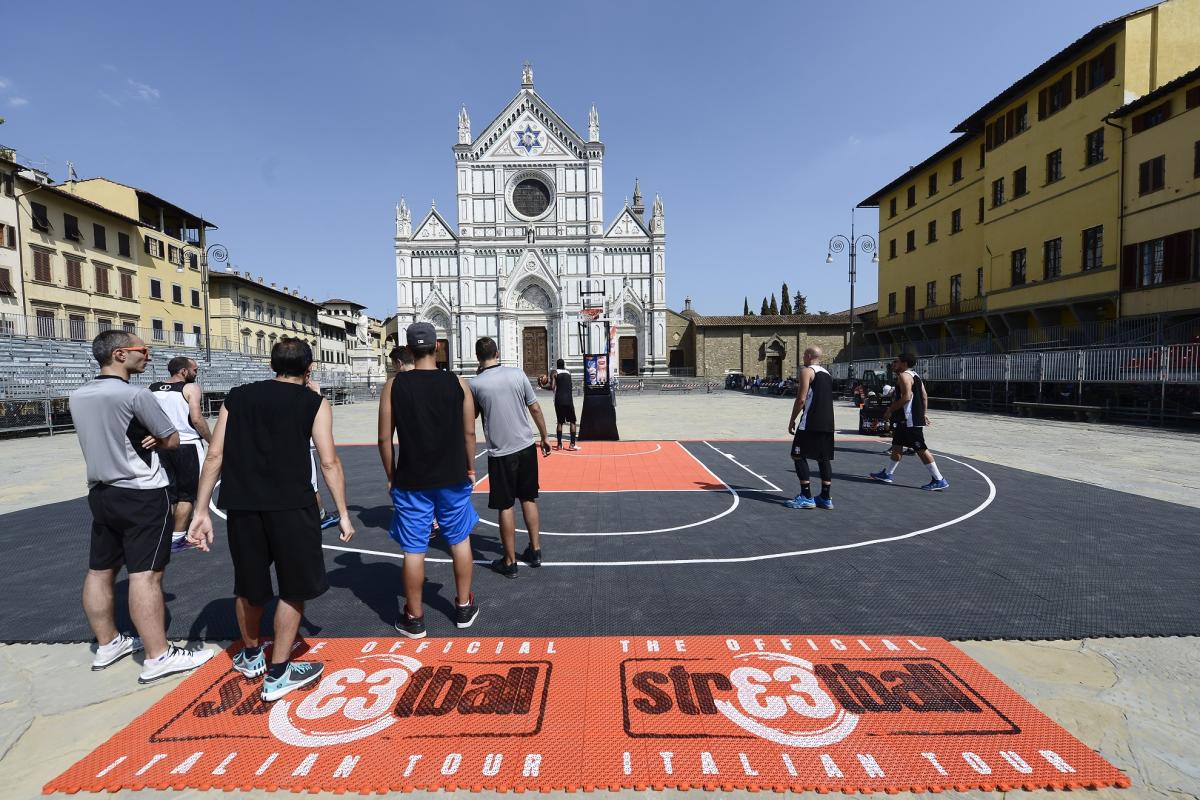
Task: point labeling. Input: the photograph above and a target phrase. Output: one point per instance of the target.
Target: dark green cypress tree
(785, 301)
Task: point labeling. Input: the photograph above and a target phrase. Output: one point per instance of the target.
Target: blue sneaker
(936, 486)
(250, 666)
(297, 674)
(800, 501)
(824, 503)
(882, 476)
(330, 519)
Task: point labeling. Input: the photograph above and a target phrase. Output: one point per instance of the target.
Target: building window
(980, 220)
(244, 308)
(8, 236)
(1094, 147)
(979, 282)
(156, 288)
(176, 293)
(196, 335)
(41, 267)
(997, 192)
(910, 241)
(1019, 184)
(891, 303)
(1006, 126)
(71, 228)
(1196, 161)
(245, 343)
(103, 324)
(123, 244)
(46, 324)
(1151, 258)
(129, 327)
(77, 326)
(1052, 259)
(193, 261)
(956, 172)
(1151, 174)
(933, 184)
(892, 249)
(1155, 116)
(74, 273)
(956, 220)
(912, 196)
(258, 311)
(178, 328)
(1018, 267)
(154, 247)
(932, 230)
(99, 236)
(892, 207)
(931, 294)
(101, 280)
(1055, 97)
(1096, 71)
(1054, 166)
(6, 183)
(955, 288)
(156, 330)
(195, 298)
(41, 219)
(1093, 248)
(174, 255)
(126, 286)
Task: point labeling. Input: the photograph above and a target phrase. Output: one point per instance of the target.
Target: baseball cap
(421, 334)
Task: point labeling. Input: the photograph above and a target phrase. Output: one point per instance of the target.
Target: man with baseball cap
(431, 415)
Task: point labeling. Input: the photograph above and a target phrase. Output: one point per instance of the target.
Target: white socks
(933, 470)
(890, 469)
(178, 536)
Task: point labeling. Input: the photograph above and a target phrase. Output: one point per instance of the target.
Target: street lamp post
(214, 252)
(836, 245)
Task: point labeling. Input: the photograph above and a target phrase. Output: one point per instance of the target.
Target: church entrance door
(533, 351)
(628, 349)
(441, 354)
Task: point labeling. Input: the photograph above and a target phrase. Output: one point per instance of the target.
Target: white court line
(743, 466)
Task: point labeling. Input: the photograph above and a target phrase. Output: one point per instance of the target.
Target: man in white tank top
(180, 396)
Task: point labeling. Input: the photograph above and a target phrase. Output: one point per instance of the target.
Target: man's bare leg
(529, 510)
(249, 617)
(508, 533)
(183, 515)
(288, 614)
(146, 609)
(414, 583)
(464, 566)
(98, 603)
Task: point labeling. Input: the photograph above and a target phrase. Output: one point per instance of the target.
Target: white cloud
(3, 83)
(108, 98)
(17, 102)
(142, 91)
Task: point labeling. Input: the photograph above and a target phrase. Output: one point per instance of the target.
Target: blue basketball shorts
(413, 512)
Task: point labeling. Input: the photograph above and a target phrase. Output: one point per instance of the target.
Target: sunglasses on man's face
(143, 350)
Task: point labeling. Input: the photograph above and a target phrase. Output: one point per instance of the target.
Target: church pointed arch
(435, 310)
(531, 269)
(434, 228)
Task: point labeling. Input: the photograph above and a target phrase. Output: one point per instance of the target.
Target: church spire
(527, 76)
(637, 207)
(593, 124)
(403, 220)
(464, 127)
(657, 220)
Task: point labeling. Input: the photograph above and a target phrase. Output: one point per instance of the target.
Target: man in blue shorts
(431, 415)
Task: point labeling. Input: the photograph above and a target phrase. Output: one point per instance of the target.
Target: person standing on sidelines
(120, 428)
(180, 395)
(909, 420)
(272, 518)
(814, 435)
(430, 414)
(330, 519)
(506, 401)
(564, 401)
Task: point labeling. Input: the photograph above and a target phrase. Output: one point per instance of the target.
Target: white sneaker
(175, 660)
(114, 651)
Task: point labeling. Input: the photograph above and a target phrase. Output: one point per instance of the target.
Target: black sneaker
(464, 616)
(412, 627)
(504, 568)
(532, 557)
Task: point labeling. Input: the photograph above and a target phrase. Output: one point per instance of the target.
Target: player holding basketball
(814, 435)
(909, 421)
(564, 402)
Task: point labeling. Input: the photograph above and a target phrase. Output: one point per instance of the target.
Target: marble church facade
(531, 242)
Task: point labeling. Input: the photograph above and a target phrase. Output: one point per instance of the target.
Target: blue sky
(297, 126)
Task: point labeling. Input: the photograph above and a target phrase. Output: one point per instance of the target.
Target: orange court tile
(622, 467)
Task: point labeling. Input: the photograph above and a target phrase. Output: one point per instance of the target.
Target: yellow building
(169, 251)
(79, 268)
(250, 316)
(1012, 230)
(1160, 259)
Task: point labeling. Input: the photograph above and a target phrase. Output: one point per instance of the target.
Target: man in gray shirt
(506, 401)
(120, 427)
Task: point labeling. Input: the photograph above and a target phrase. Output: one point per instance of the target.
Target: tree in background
(785, 300)
(746, 307)
(774, 306)
(800, 304)
(766, 309)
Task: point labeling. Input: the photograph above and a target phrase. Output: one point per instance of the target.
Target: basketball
(543, 381)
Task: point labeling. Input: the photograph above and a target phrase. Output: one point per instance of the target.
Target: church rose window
(531, 197)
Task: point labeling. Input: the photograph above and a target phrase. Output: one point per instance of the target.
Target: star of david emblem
(528, 139)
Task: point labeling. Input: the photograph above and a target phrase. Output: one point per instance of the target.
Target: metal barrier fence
(1147, 364)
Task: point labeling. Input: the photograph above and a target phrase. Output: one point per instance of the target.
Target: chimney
(272, 284)
(687, 303)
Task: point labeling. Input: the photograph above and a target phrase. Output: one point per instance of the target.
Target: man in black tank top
(564, 401)
(814, 434)
(908, 423)
(271, 513)
(431, 415)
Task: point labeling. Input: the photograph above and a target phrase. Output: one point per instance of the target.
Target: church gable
(531, 271)
(526, 129)
(433, 228)
(627, 225)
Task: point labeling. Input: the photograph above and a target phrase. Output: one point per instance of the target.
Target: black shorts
(183, 468)
(130, 527)
(565, 412)
(291, 540)
(912, 438)
(513, 477)
(815, 445)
